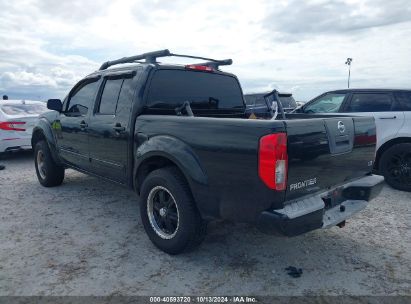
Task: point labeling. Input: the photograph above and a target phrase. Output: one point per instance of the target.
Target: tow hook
(341, 225)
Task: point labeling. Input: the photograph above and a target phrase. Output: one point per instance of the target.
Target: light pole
(348, 62)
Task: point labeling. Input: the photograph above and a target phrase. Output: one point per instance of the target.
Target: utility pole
(348, 62)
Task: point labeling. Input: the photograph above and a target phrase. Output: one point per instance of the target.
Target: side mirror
(55, 104)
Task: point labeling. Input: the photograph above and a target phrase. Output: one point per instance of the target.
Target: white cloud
(335, 16)
(300, 47)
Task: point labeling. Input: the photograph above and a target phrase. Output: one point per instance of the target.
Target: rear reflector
(199, 67)
(273, 161)
(12, 126)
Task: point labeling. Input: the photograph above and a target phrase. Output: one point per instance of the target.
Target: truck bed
(226, 150)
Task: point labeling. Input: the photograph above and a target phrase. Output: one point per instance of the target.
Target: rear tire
(395, 165)
(48, 172)
(168, 212)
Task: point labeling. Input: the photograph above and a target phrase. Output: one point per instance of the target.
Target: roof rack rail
(215, 64)
(151, 57)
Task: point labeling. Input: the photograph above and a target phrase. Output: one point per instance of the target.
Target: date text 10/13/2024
(203, 299)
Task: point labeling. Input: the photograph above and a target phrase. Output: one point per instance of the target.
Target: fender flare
(175, 151)
(44, 129)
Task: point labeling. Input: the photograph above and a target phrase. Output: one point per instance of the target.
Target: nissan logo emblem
(341, 127)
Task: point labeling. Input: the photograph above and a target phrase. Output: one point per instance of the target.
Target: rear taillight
(273, 161)
(199, 67)
(12, 126)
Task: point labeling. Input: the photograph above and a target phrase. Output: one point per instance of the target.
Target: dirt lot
(85, 238)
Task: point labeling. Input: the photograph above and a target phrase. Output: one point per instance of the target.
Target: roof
(367, 90)
(157, 65)
(264, 93)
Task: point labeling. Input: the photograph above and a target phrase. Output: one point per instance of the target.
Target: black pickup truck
(180, 137)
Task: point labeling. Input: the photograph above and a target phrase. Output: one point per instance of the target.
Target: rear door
(109, 127)
(380, 105)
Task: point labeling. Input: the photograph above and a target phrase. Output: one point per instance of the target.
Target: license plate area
(333, 198)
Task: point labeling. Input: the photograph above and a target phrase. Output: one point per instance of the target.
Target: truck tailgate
(326, 152)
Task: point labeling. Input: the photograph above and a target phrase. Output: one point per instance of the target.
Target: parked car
(180, 137)
(391, 109)
(17, 119)
(256, 103)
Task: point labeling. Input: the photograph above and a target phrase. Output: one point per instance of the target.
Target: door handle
(391, 117)
(83, 124)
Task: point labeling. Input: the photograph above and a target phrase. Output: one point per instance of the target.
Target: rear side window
(24, 109)
(328, 103)
(205, 91)
(109, 97)
(372, 102)
(255, 100)
(403, 101)
(287, 101)
(125, 98)
(116, 96)
(82, 98)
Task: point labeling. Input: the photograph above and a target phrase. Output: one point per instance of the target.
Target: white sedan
(17, 119)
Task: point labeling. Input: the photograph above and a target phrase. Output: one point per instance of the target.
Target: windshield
(328, 103)
(171, 88)
(24, 109)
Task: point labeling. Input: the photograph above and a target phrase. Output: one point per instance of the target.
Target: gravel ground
(85, 238)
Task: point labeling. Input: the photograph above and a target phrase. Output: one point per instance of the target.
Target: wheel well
(36, 137)
(149, 165)
(387, 145)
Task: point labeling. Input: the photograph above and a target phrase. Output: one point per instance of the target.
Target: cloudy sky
(295, 46)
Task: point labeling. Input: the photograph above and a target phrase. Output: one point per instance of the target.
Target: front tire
(395, 165)
(168, 212)
(48, 172)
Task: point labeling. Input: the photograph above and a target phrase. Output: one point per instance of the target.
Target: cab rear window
(287, 101)
(23, 109)
(205, 91)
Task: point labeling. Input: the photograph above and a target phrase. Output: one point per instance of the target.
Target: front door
(109, 128)
(72, 141)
